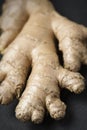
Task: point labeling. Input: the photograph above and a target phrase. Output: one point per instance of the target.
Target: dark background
(76, 115)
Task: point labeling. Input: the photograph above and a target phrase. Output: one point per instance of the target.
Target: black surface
(76, 115)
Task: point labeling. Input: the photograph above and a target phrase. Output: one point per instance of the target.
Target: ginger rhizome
(27, 42)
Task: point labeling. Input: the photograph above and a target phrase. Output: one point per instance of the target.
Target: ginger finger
(14, 69)
(72, 41)
(13, 18)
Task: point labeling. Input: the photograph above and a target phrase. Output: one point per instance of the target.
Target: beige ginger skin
(27, 43)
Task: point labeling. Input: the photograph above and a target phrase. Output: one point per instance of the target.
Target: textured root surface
(72, 41)
(13, 74)
(35, 46)
(72, 81)
(42, 91)
(35, 96)
(55, 107)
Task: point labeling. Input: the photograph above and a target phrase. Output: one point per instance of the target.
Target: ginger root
(27, 42)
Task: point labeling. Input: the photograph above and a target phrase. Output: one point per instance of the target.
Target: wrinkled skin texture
(28, 42)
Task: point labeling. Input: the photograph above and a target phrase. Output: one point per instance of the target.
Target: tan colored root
(34, 47)
(72, 41)
(12, 20)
